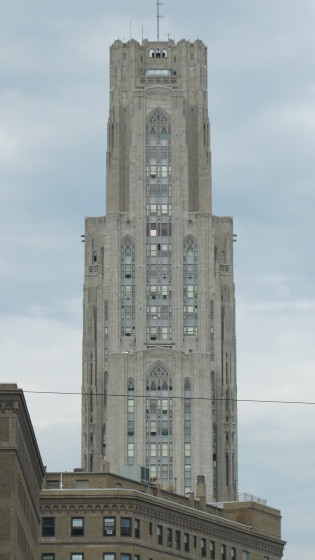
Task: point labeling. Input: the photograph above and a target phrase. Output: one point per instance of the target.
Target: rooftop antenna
(158, 16)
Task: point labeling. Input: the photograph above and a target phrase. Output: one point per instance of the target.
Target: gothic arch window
(159, 377)
(164, 53)
(159, 424)
(159, 226)
(151, 54)
(190, 283)
(187, 387)
(127, 287)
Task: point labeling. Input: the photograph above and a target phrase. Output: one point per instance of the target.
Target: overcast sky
(53, 113)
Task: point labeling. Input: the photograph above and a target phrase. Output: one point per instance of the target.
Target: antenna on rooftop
(158, 16)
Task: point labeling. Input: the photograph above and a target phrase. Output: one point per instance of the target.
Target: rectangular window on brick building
(159, 534)
(77, 527)
(52, 484)
(169, 537)
(186, 542)
(137, 528)
(48, 527)
(125, 526)
(109, 528)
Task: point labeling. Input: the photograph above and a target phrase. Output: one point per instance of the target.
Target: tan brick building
(106, 517)
(21, 476)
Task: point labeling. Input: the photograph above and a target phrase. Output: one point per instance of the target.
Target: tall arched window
(159, 226)
(127, 287)
(190, 283)
(159, 425)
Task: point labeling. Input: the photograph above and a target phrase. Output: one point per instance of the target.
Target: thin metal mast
(158, 16)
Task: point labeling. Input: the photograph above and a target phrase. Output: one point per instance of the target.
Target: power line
(110, 395)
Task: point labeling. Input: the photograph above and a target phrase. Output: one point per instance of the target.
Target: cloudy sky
(54, 104)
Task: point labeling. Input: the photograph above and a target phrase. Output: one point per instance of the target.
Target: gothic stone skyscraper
(159, 373)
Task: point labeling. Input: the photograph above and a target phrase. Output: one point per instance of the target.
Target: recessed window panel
(48, 526)
(77, 526)
(125, 526)
(109, 526)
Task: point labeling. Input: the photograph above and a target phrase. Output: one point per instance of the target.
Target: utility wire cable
(111, 395)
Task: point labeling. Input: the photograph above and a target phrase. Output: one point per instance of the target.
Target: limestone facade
(159, 356)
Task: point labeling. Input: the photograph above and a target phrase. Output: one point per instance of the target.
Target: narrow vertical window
(214, 451)
(137, 528)
(169, 537)
(159, 534)
(187, 436)
(127, 288)
(212, 330)
(227, 470)
(186, 542)
(131, 423)
(177, 540)
(190, 283)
